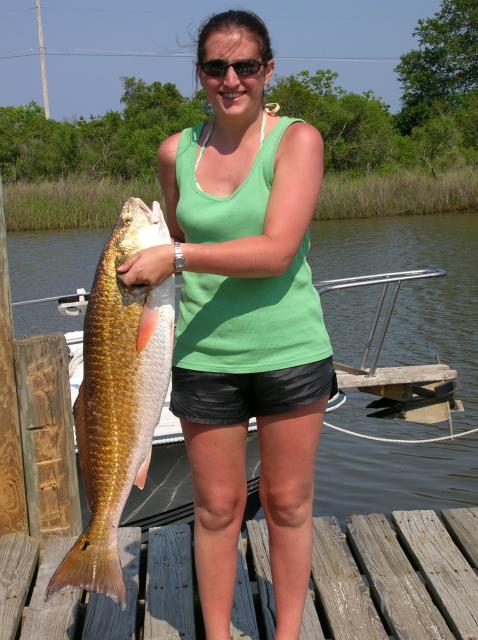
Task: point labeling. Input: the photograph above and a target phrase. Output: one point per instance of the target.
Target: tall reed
(81, 203)
(400, 193)
(71, 203)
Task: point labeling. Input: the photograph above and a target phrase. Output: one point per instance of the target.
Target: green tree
(99, 145)
(446, 63)
(466, 116)
(152, 113)
(438, 143)
(357, 129)
(32, 147)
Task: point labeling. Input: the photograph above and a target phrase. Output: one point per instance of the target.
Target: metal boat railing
(397, 277)
(75, 304)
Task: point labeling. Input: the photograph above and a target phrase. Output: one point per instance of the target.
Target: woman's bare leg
(217, 457)
(289, 444)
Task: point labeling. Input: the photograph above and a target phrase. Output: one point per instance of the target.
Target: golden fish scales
(127, 363)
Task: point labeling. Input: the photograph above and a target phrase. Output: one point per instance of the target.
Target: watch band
(178, 258)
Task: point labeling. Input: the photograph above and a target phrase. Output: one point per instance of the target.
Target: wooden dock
(413, 576)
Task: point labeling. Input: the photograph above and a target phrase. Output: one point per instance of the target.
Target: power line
(146, 54)
(18, 55)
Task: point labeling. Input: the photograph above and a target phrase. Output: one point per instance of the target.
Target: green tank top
(242, 325)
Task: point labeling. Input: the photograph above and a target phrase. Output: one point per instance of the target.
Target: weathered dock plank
(13, 505)
(345, 596)
(404, 600)
(105, 618)
(169, 610)
(57, 618)
(463, 525)
(397, 375)
(41, 365)
(258, 536)
(18, 560)
(243, 618)
(440, 603)
(450, 578)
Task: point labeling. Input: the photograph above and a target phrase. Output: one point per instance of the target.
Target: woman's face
(234, 95)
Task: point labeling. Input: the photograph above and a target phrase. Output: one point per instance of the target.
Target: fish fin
(140, 479)
(79, 413)
(88, 566)
(147, 326)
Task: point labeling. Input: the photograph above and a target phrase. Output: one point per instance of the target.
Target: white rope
(399, 441)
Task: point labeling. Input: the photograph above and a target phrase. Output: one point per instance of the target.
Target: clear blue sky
(84, 86)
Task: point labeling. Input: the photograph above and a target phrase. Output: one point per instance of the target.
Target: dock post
(13, 506)
(46, 424)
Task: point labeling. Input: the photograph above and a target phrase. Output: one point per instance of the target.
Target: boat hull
(167, 496)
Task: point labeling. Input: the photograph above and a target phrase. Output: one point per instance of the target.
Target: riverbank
(80, 203)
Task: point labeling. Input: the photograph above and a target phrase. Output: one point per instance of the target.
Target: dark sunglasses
(243, 68)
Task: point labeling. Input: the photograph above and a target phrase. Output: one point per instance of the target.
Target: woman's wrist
(179, 259)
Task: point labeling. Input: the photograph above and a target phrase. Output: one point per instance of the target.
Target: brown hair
(235, 19)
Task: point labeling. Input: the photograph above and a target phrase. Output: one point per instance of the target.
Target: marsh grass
(71, 203)
(400, 193)
(80, 203)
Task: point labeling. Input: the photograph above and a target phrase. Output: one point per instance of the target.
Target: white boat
(167, 496)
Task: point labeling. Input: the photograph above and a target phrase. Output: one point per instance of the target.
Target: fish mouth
(153, 215)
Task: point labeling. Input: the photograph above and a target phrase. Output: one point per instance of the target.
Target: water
(433, 317)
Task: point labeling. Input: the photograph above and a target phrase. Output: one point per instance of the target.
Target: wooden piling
(13, 506)
(46, 422)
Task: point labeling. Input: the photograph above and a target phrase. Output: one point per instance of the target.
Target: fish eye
(128, 220)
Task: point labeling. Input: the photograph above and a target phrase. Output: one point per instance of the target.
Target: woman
(240, 192)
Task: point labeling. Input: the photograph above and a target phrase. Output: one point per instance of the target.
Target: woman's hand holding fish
(150, 266)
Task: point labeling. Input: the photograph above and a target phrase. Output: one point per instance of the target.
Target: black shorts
(228, 398)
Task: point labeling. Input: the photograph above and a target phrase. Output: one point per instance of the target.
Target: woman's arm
(294, 195)
(167, 178)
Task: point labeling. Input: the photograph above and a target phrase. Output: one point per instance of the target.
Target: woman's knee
(219, 511)
(286, 508)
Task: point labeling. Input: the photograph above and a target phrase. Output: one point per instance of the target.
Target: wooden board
(169, 610)
(344, 595)
(105, 618)
(18, 561)
(400, 392)
(41, 364)
(451, 580)
(258, 537)
(13, 505)
(243, 617)
(463, 526)
(404, 600)
(57, 618)
(397, 375)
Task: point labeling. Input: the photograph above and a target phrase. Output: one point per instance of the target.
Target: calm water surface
(433, 317)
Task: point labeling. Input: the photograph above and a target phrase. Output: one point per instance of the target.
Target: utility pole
(41, 44)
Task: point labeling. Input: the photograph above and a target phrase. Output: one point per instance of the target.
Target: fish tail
(89, 566)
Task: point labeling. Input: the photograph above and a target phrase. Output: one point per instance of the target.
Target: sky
(305, 34)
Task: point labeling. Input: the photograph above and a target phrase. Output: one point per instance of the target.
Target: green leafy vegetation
(444, 68)
(430, 147)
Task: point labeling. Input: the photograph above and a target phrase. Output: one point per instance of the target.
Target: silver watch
(178, 258)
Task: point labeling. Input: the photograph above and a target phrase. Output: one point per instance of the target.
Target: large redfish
(128, 341)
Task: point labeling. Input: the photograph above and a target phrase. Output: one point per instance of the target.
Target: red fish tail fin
(88, 566)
